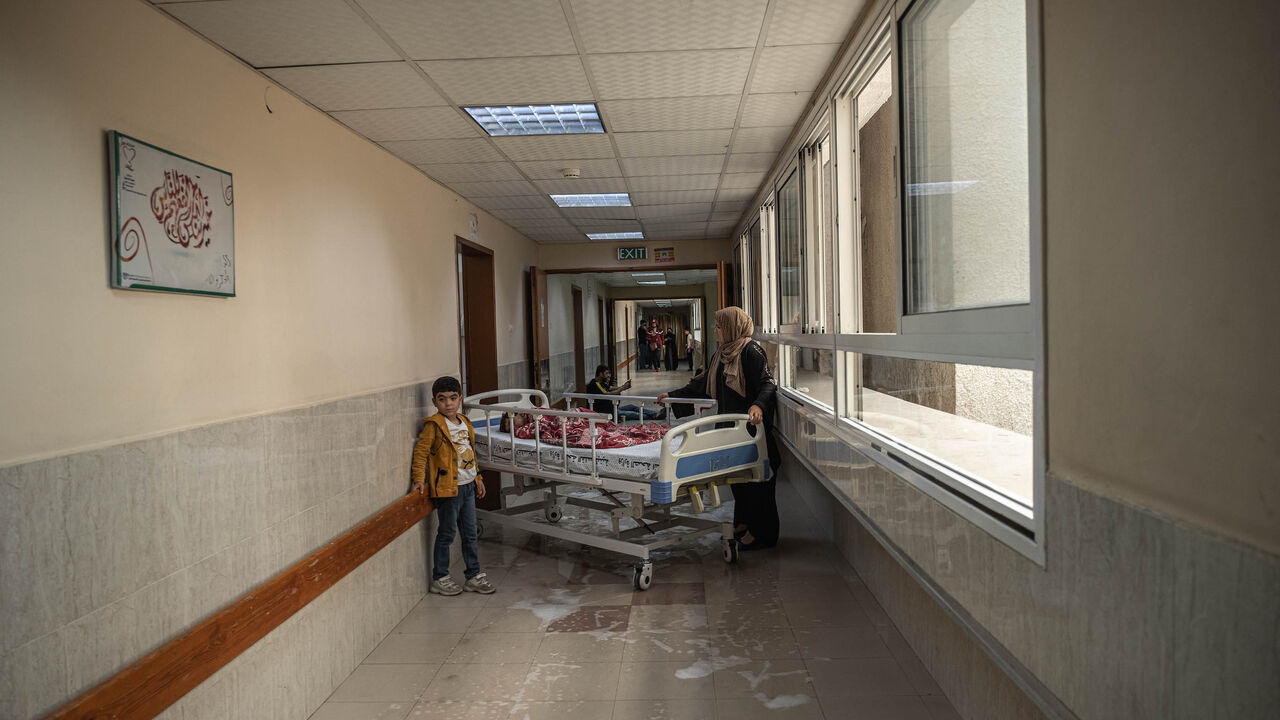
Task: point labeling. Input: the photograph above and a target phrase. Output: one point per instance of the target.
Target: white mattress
(637, 462)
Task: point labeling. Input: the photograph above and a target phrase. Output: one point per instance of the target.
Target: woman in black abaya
(738, 380)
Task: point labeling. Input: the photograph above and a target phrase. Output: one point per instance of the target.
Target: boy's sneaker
(480, 584)
(446, 586)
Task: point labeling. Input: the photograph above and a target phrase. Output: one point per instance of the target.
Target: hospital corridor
(639, 360)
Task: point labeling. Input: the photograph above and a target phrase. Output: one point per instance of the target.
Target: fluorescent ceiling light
(565, 119)
(651, 282)
(616, 236)
(593, 200)
(646, 275)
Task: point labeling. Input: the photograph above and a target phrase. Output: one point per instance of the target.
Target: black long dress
(755, 504)
(669, 347)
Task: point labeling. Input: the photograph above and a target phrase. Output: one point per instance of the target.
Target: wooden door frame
(478, 349)
(577, 312)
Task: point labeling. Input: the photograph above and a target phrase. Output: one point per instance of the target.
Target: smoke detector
(571, 172)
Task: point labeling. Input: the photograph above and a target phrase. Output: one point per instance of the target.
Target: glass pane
(972, 418)
(964, 79)
(753, 234)
(789, 251)
(877, 204)
(810, 372)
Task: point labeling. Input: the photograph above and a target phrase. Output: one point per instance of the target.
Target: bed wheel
(553, 513)
(643, 577)
(730, 548)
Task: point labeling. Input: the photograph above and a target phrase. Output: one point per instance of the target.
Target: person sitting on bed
(445, 456)
(602, 383)
(738, 380)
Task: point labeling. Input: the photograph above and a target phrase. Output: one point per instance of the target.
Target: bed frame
(707, 458)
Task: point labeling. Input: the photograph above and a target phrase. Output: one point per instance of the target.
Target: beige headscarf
(735, 332)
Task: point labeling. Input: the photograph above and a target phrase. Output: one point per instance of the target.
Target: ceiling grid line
(742, 103)
(567, 8)
(457, 108)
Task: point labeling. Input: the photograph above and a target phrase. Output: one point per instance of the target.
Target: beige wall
(1162, 166)
(339, 245)
(565, 256)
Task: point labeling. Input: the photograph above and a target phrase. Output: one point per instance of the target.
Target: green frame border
(113, 238)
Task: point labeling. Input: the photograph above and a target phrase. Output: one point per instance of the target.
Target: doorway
(579, 335)
(477, 319)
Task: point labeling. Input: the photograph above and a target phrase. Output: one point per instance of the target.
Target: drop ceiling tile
(672, 197)
(673, 165)
(520, 214)
(552, 169)
(507, 202)
(471, 172)
(723, 229)
(765, 109)
(569, 236)
(352, 87)
(670, 74)
(681, 210)
(690, 113)
(743, 180)
(689, 234)
(760, 139)
(601, 226)
(573, 187)
(599, 213)
(473, 28)
(425, 152)
(750, 162)
(684, 142)
(285, 32)
(511, 81)
(804, 22)
(791, 67)
(428, 123)
(540, 224)
(668, 183)
(659, 225)
(722, 217)
(612, 26)
(490, 189)
(735, 206)
(554, 147)
(735, 194)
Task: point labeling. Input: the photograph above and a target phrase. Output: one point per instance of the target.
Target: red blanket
(609, 435)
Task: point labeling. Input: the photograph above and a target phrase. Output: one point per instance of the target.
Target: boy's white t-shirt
(466, 454)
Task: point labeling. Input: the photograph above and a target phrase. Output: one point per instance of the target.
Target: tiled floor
(788, 633)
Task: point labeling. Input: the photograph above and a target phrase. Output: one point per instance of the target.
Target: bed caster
(553, 513)
(643, 576)
(729, 547)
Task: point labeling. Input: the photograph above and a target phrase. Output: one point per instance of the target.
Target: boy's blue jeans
(454, 513)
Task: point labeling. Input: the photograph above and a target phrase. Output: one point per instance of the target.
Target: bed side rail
(490, 416)
(700, 405)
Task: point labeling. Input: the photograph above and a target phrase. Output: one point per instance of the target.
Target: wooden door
(478, 349)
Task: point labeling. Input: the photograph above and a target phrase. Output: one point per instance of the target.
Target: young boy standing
(444, 466)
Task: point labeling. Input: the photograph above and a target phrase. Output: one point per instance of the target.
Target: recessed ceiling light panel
(616, 236)
(593, 200)
(566, 119)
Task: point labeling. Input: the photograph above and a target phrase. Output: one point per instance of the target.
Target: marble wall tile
(1226, 663)
(39, 588)
(111, 552)
(33, 677)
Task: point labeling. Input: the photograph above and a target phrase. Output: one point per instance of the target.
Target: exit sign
(632, 253)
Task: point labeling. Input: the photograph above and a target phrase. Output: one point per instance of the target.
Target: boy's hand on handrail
(418, 487)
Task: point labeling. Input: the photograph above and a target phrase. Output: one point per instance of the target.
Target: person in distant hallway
(739, 381)
(444, 466)
(642, 346)
(688, 346)
(654, 337)
(669, 342)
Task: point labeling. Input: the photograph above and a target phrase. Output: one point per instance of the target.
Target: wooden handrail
(144, 689)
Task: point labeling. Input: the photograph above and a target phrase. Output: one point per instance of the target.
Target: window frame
(1002, 336)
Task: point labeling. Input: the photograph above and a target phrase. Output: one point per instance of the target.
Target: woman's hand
(755, 415)
(662, 397)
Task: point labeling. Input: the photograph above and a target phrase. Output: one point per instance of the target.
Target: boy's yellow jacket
(435, 460)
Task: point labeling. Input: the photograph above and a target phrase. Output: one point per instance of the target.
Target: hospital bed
(638, 486)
